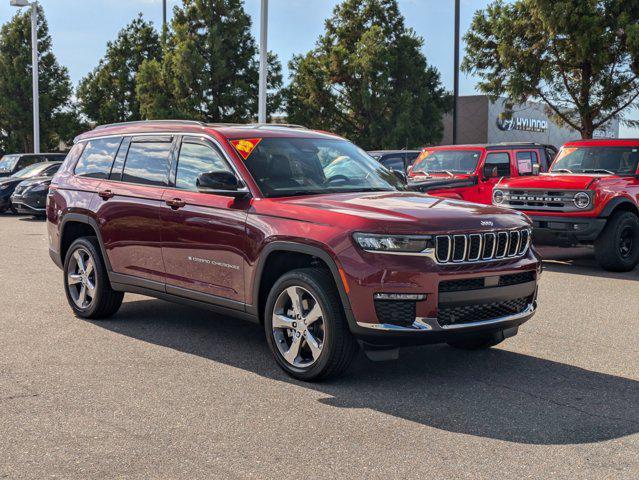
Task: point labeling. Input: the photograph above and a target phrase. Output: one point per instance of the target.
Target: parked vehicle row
(26, 190)
(299, 230)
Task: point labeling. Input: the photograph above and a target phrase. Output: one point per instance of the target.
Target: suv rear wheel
(617, 248)
(305, 325)
(86, 282)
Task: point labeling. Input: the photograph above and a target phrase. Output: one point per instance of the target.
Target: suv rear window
(97, 157)
(147, 162)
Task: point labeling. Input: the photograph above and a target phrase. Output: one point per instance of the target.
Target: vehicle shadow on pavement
(495, 394)
(579, 261)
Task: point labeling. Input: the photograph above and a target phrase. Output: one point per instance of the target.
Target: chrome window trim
(181, 134)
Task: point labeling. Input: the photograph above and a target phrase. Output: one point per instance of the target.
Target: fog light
(415, 297)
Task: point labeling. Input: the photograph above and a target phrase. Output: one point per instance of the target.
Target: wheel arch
(297, 255)
(76, 225)
(619, 204)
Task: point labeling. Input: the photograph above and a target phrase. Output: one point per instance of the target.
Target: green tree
(209, 70)
(580, 57)
(367, 79)
(108, 93)
(58, 117)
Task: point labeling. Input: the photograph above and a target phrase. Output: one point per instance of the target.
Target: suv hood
(547, 181)
(34, 180)
(393, 212)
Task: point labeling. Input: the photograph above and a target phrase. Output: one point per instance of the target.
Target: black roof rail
(151, 122)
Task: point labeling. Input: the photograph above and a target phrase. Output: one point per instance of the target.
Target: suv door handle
(106, 194)
(175, 203)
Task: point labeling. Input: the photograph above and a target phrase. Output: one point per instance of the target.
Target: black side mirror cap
(221, 183)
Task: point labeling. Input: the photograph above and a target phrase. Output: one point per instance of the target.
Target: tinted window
(307, 166)
(28, 160)
(51, 170)
(604, 160)
(497, 165)
(97, 157)
(197, 158)
(394, 163)
(8, 162)
(147, 163)
(525, 162)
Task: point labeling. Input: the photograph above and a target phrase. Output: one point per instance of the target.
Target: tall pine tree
(108, 93)
(367, 79)
(58, 117)
(209, 70)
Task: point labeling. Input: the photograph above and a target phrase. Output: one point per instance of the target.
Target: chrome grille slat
(503, 245)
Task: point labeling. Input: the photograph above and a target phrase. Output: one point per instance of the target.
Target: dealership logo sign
(522, 123)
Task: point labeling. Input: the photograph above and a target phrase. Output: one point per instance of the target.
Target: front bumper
(30, 204)
(566, 231)
(460, 300)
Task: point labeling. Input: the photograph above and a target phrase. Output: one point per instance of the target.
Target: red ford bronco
(299, 230)
(590, 196)
(469, 172)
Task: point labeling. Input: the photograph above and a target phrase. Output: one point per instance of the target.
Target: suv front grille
(477, 247)
(480, 282)
(549, 200)
(481, 312)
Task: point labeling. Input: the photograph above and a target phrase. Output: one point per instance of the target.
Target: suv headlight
(582, 200)
(498, 197)
(372, 242)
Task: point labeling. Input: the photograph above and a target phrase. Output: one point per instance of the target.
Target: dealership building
(483, 121)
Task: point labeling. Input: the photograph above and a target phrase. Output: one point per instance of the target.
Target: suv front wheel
(305, 325)
(86, 282)
(617, 248)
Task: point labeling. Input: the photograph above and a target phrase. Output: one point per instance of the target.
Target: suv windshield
(305, 166)
(607, 160)
(8, 162)
(447, 161)
(32, 170)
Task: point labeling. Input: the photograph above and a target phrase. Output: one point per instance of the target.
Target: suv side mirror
(400, 175)
(221, 183)
(536, 168)
(490, 171)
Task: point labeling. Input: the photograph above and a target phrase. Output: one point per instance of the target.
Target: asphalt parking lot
(164, 392)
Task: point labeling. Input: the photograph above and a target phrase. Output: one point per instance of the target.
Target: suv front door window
(203, 233)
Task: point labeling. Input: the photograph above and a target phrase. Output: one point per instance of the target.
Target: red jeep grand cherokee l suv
(299, 230)
(590, 196)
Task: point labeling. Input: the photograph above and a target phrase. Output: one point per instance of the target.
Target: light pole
(261, 115)
(456, 79)
(34, 68)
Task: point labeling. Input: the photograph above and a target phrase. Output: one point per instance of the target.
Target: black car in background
(38, 172)
(398, 160)
(13, 163)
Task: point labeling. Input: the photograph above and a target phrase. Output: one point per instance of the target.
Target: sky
(81, 28)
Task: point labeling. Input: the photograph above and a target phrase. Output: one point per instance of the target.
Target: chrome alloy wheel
(298, 326)
(81, 278)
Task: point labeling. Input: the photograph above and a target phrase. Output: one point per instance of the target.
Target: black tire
(338, 347)
(621, 228)
(480, 342)
(105, 301)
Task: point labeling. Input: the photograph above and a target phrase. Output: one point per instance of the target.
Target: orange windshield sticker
(564, 152)
(245, 146)
(423, 155)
